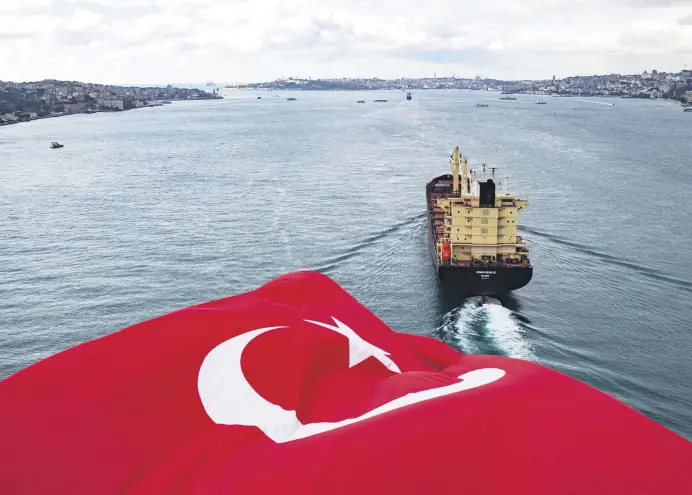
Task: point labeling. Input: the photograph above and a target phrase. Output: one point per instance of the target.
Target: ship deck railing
(480, 264)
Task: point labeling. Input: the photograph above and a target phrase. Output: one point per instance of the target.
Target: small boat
(408, 96)
(482, 105)
(380, 101)
(541, 102)
(687, 108)
(55, 145)
(361, 101)
(290, 99)
(259, 97)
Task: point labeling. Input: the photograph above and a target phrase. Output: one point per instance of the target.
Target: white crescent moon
(229, 399)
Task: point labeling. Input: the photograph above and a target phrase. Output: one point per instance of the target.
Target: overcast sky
(160, 41)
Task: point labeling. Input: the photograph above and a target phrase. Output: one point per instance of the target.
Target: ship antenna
(504, 184)
(493, 169)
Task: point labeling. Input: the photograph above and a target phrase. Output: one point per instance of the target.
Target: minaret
(455, 171)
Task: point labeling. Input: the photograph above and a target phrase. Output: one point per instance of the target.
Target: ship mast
(455, 171)
(465, 177)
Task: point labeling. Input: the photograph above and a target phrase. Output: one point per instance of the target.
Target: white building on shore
(112, 103)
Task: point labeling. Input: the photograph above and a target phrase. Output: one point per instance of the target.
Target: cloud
(471, 57)
(658, 3)
(15, 36)
(243, 40)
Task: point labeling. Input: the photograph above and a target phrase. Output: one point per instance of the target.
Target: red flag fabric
(297, 388)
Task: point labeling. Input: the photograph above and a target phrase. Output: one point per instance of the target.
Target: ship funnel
(487, 194)
(455, 171)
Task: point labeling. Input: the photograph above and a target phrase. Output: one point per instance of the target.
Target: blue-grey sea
(151, 210)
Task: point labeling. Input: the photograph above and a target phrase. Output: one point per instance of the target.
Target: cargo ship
(472, 231)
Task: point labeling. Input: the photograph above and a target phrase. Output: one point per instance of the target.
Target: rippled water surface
(152, 210)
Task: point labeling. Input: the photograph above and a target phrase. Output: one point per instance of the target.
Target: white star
(358, 349)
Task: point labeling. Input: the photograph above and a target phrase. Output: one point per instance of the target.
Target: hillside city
(20, 102)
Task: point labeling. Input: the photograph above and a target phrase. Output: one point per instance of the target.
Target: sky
(234, 41)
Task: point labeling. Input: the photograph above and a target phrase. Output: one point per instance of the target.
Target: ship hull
(484, 281)
(479, 281)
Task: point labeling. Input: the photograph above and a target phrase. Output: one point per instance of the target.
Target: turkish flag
(297, 388)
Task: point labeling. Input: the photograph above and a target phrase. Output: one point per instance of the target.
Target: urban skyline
(651, 85)
(283, 77)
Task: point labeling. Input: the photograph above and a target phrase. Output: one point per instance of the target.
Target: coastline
(107, 110)
(27, 101)
(399, 90)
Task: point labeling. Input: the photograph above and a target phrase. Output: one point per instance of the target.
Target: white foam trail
(505, 330)
(598, 102)
(464, 324)
(488, 328)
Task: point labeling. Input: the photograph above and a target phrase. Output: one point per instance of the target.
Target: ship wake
(486, 327)
(331, 263)
(613, 260)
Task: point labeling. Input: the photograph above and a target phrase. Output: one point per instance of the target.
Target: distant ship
(541, 102)
(472, 232)
(380, 101)
(210, 83)
(482, 105)
(361, 101)
(510, 98)
(290, 99)
(408, 96)
(55, 145)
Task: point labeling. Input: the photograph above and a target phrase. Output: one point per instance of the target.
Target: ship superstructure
(473, 234)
